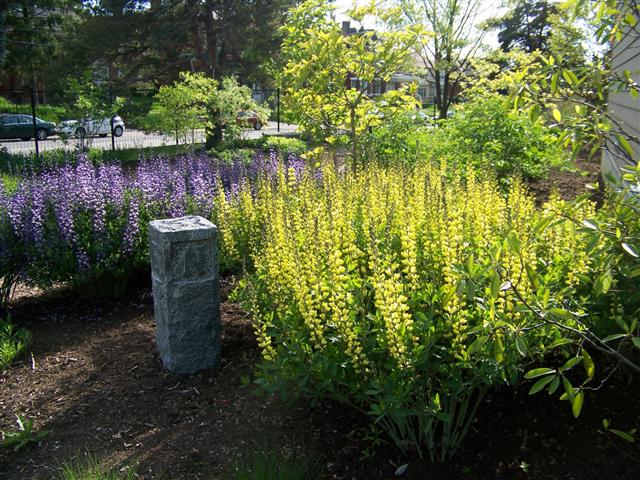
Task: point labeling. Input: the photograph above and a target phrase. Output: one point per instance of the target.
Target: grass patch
(14, 342)
(269, 465)
(89, 468)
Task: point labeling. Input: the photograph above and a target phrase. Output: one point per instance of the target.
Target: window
(376, 87)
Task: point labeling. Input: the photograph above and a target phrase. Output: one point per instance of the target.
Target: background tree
(30, 35)
(320, 61)
(575, 95)
(452, 41)
(527, 25)
(199, 101)
(137, 43)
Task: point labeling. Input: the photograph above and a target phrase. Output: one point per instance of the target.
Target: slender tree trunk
(195, 36)
(446, 96)
(354, 144)
(212, 40)
(438, 99)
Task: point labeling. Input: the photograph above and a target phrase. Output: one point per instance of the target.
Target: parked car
(247, 117)
(21, 126)
(102, 128)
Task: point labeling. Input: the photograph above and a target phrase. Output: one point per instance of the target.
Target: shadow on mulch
(98, 387)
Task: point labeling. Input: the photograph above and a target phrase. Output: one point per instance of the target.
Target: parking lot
(132, 139)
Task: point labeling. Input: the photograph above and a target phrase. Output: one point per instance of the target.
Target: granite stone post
(186, 293)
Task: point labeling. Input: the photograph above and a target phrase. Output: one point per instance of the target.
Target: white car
(81, 129)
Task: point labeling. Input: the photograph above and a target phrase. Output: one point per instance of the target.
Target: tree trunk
(354, 145)
(444, 106)
(195, 36)
(214, 136)
(212, 40)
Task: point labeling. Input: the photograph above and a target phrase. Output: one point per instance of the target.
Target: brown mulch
(568, 183)
(96, 384)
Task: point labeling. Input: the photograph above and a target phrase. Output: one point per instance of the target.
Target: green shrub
(487, 134)
(50, 113)
(397, 291)
(405, 139)
(229, 156)
(285, 146)
(13, 342)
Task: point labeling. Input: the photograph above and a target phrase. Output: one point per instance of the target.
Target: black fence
(33, 121)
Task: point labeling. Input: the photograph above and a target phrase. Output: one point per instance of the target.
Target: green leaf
(560, 341)
(626, 146)
(569, 364)
(477, 345)
(603, 283)
(521, 346)
(554, 82)
(568, 389)
(540, 384)
(589, 366)
(538, 372)
(636, 342)
(498, 350)
(613, 337)
(533, 277)
(557, 115)
(553, 386)
(560, 314)
(513, 243)
(576, 405)
(495, 285)
(630, 249)
(622, 435)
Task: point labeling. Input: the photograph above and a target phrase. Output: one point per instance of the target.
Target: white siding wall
(623, 107)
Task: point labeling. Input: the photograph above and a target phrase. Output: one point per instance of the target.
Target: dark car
(247, 117)
(15, 125)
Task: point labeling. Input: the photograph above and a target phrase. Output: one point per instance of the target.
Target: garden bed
(96, 384)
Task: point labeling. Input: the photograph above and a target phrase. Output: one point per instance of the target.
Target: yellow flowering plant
(400, 291)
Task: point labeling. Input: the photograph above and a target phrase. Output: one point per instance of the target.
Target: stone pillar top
(192, 224)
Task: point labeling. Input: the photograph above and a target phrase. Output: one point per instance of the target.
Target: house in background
(625, 109)
(426, 87)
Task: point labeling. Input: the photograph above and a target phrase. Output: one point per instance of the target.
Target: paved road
(132, 139)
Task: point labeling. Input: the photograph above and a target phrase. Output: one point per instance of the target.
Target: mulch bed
(568, 183)
(96, 384)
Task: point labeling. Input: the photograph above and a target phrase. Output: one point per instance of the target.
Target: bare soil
(568, 183)
(96, 384)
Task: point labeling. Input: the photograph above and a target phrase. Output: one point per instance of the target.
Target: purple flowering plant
(82, 223)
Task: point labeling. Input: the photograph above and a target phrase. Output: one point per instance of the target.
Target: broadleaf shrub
(394, 291)
(284, 145)
(488, 135)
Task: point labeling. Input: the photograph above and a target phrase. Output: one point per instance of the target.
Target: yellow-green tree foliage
(319, 59)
